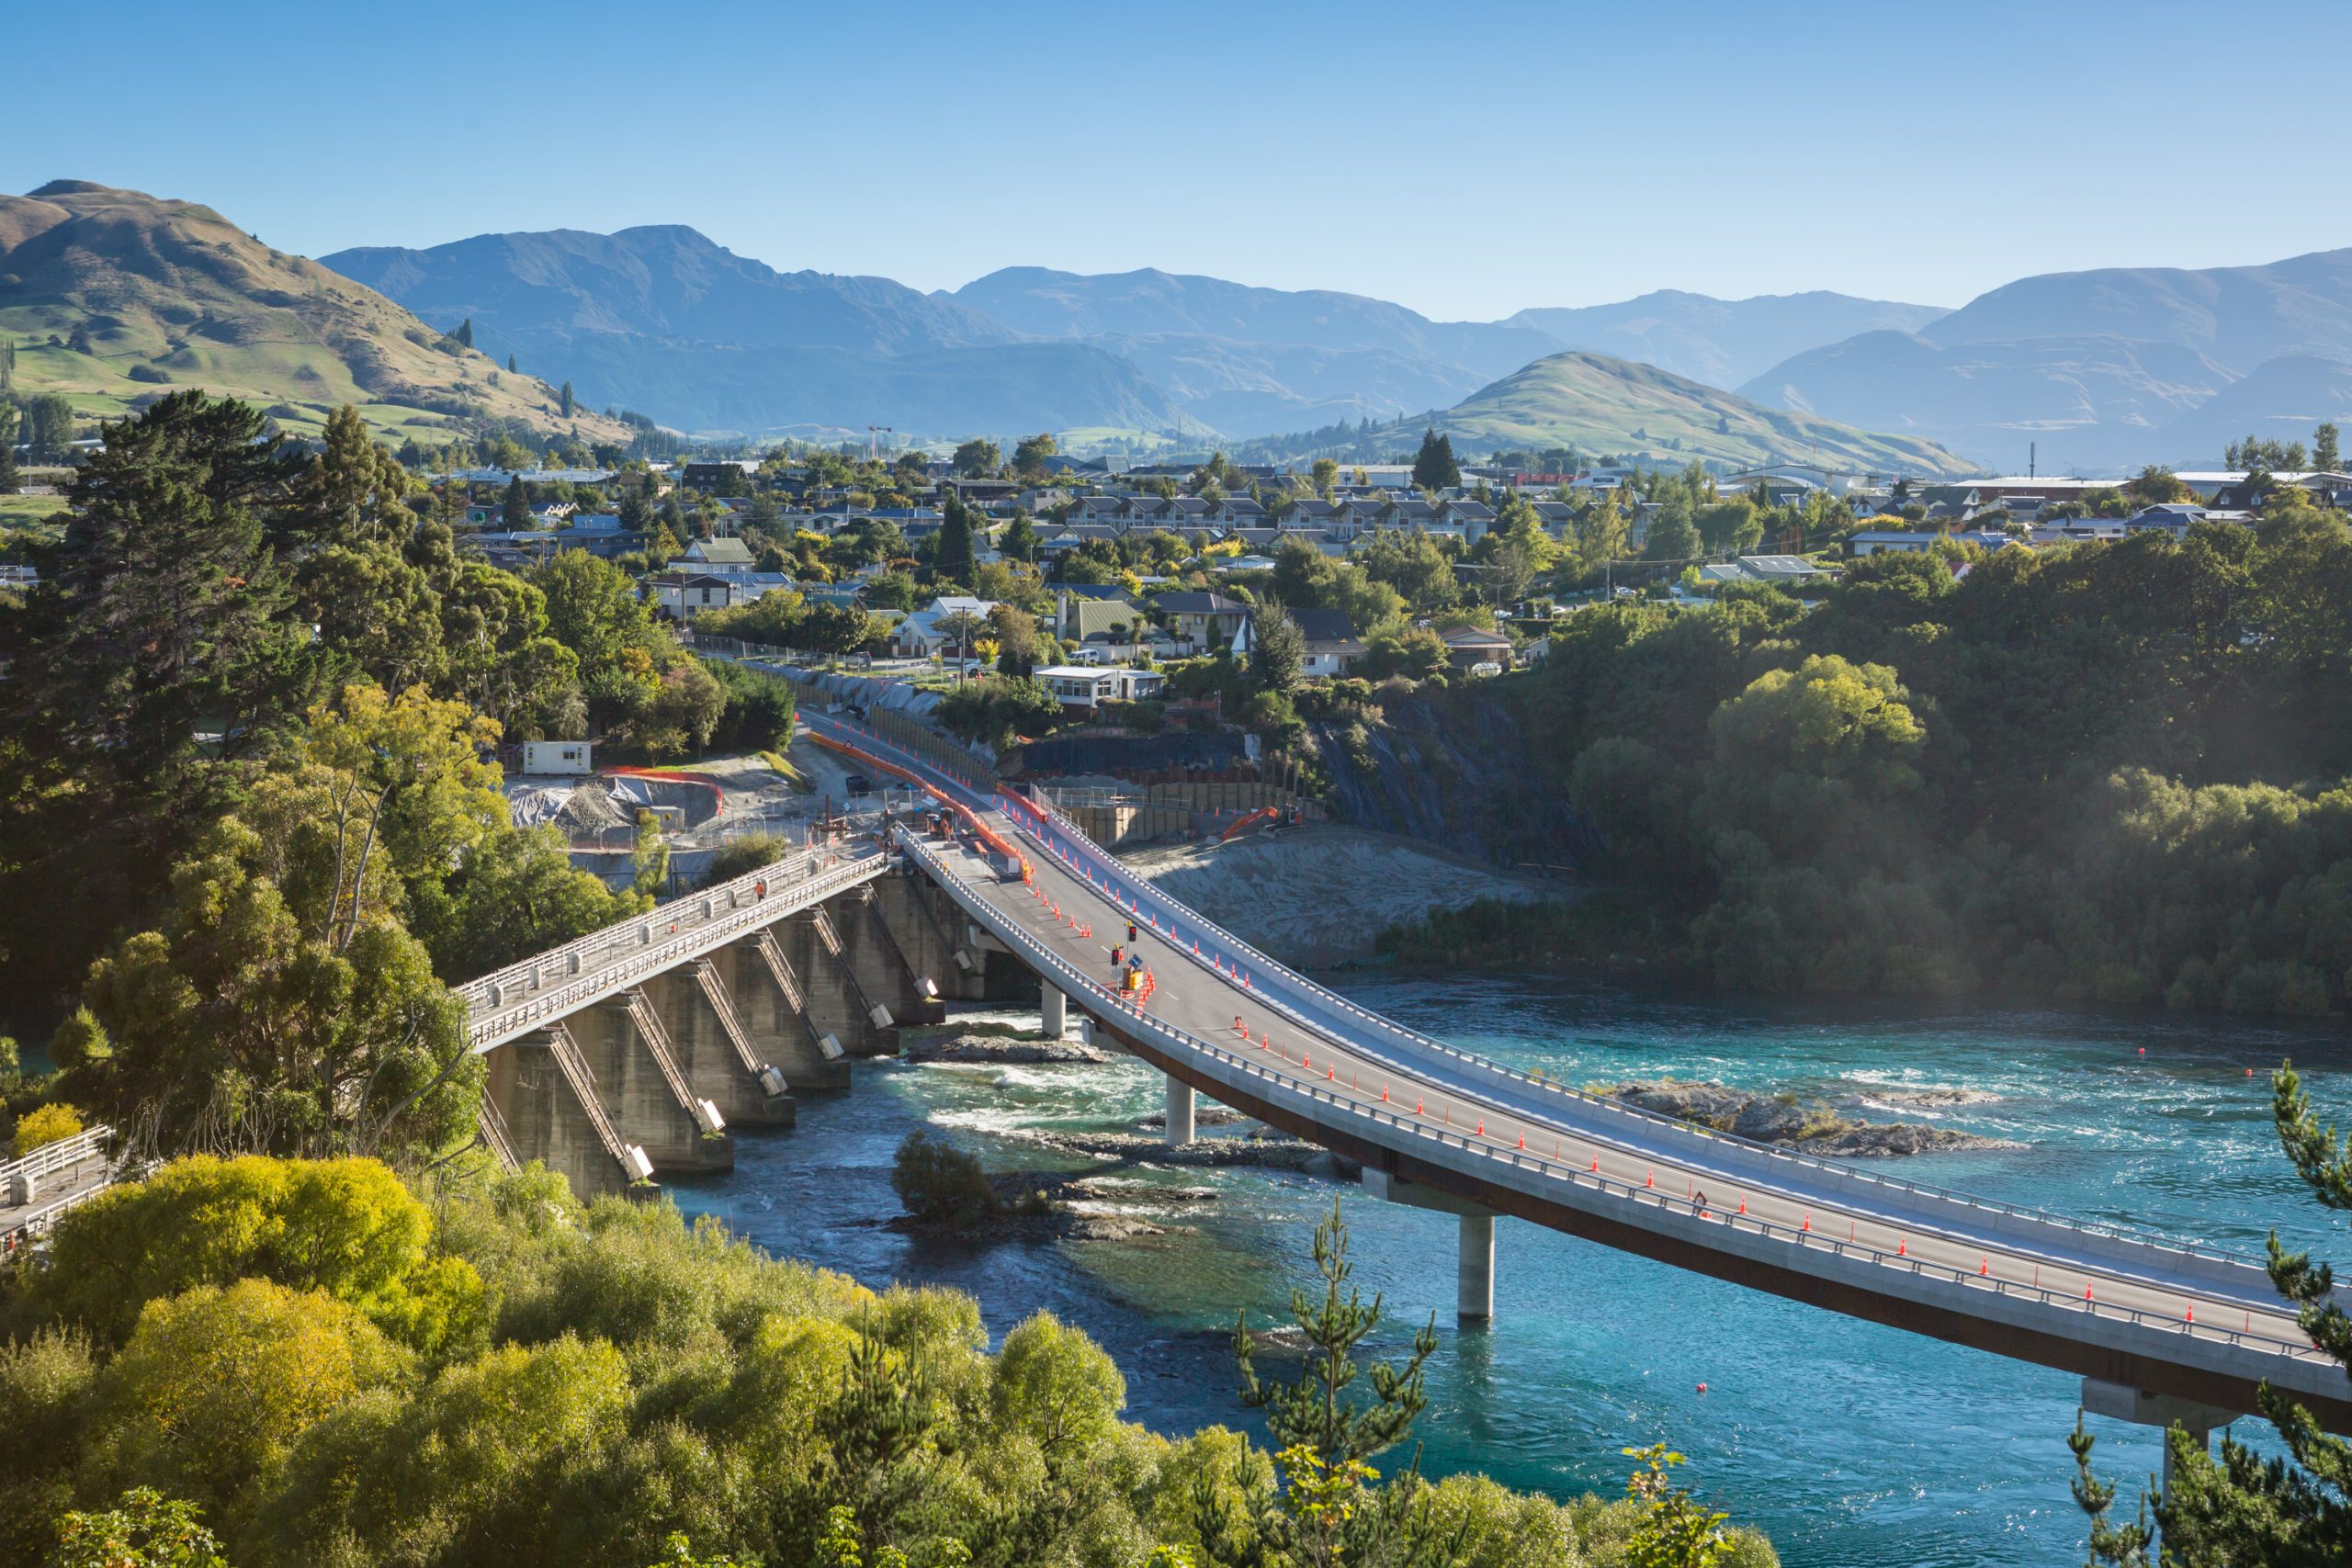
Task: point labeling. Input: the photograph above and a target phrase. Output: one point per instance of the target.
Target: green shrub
(942, 1185)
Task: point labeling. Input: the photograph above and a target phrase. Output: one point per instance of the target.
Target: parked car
(857, 784)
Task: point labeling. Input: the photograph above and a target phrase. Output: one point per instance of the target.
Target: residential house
(2172, 518)
(682, 595)
(1473, 517)
(1083, 688)
(1332, 643)
(1201, 621)
(1891, 541)
(1115, 624)
(1468, 646)
(1793, 572)
(718, 556)
(945, 626)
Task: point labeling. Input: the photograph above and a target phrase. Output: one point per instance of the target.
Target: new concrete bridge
(627, 1055)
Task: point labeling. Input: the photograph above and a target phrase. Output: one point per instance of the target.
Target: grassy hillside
(112, 296)
(1604, 406)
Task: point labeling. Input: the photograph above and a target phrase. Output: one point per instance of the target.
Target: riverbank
(1320, 895)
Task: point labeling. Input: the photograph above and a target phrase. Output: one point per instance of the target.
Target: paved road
(1314, 1036)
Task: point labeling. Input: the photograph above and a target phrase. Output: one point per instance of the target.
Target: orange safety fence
(971, 818)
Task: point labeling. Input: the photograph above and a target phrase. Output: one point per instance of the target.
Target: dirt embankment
(1318, 894)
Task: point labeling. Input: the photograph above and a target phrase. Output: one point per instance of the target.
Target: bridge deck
(2100, 1302)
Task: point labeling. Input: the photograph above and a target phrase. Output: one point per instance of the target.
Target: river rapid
(1853, 1446)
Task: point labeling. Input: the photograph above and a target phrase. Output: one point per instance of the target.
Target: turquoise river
(1852, 1445)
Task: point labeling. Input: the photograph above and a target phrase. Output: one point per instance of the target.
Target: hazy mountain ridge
(661, 318)
(1149, 303)
(141, 294)
(2104, 368)
(1722, 342)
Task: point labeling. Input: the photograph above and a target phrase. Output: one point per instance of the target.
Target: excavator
(1267, 817)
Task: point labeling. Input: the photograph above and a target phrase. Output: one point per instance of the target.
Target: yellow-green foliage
(46, 1124)
(216, 1385)
(344, 1227)
(615, 1378)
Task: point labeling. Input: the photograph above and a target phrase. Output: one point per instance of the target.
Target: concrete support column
(2161, 1410)
(1474, 1281)
(1056, 1009)
(1181, 1113)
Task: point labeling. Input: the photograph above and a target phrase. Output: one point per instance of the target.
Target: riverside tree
(2241, 1508)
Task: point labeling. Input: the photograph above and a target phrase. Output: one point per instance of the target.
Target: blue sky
(1466, 160)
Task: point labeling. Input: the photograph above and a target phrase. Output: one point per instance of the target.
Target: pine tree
(167, 607)
(2325, 457)
(511, 366)
(1315, 1413)
(465, 333)
(9, 479)
(570, 403)
(2242, 1507)
(952, 558)
(518, 505)
(1434, 467)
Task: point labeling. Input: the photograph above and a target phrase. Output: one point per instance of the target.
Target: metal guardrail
(1236, 948)
(63, 1154)
(692, 925)
(1075, 983)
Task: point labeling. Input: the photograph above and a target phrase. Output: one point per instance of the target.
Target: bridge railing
(1234, 947)
(1277, 1083)
(63, 1154)
(691, 927)
(582, 953)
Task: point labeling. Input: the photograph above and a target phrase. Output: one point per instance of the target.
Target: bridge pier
(912, 910)
(2120, 1402)
(829, 992)
(767, 995)
(643, 1092)
(715, 1051)
(535, 1097)
(1054, 1012)
(1474, 1292)
(1181, 1111)
(880, 965)
(1474, 1281)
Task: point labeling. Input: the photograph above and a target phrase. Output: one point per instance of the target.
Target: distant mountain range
(113, 297)
(2111, 368)
(1599, 405)
(663, 320)
(111, 294)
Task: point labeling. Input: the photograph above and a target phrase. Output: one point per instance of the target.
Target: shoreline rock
(1267, 1153)
(998, 1050)
(1785, 1121)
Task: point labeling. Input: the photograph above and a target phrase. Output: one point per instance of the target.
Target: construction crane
(872, 452)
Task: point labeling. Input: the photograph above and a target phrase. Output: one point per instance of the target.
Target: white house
(946, 624)
(685, 594)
